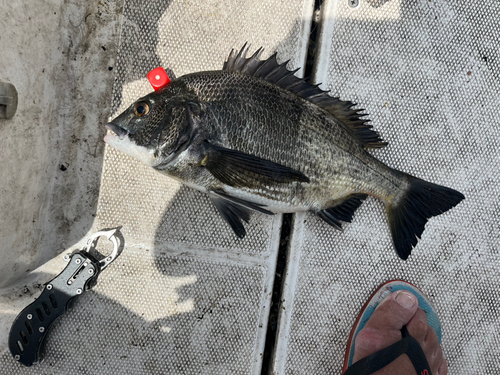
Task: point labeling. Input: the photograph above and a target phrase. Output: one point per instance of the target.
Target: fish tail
(408, 214)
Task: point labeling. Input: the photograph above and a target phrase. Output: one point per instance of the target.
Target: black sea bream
(255, 137)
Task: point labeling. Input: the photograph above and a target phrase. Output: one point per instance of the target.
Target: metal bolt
(91, 271)
(8, 100)
(317, 16)
(66, 258)
(108, 259)
(41, 329)
(353, 3)
(17, 357)
(49, 286)
(29, 316)
(85, 264)
(78, 261)
(70, 282)
(79, 291)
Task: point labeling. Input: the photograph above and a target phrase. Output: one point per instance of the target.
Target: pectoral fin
(237, 169)
(234, 210)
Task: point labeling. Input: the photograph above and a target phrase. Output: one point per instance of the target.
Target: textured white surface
(428, 73)
(186, 296)
(159, 314)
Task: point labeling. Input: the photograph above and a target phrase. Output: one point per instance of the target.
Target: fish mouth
(117, 130)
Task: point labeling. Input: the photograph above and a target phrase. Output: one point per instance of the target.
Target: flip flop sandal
(407, 345)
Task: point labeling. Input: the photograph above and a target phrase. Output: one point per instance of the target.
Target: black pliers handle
(31, 326)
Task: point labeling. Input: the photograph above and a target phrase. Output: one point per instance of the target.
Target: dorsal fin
(278, 74)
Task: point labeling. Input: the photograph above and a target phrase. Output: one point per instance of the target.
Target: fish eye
(141, 109)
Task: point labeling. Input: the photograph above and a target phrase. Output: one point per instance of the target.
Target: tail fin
(422, 201)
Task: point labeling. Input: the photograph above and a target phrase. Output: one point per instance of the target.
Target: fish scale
(256, 137)
(294, 133)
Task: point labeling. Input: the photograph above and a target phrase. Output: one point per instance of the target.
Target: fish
(255, 137)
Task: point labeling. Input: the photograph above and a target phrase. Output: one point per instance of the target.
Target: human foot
(383, 328)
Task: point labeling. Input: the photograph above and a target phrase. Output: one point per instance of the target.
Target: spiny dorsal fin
(278, 74)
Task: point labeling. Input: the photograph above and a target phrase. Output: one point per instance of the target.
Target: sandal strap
(407, 345)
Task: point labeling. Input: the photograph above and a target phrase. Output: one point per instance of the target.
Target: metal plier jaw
(110, 235)
(30, 328)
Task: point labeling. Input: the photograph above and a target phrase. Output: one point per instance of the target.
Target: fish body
(255, 137)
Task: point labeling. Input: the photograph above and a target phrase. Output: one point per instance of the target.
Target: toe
(384, 326)
(384, 329)
(432, 350)
(427, 338)
(417, 326)
(394, 311)
(443, 368)
(431, 339)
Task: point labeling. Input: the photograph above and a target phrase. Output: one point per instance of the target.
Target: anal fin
(343, 211)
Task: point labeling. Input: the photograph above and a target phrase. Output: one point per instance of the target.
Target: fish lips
(120, 132)
(120, 140)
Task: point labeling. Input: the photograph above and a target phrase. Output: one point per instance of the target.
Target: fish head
(153, 130)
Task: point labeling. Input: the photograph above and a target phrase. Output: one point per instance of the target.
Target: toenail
(406, 299)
